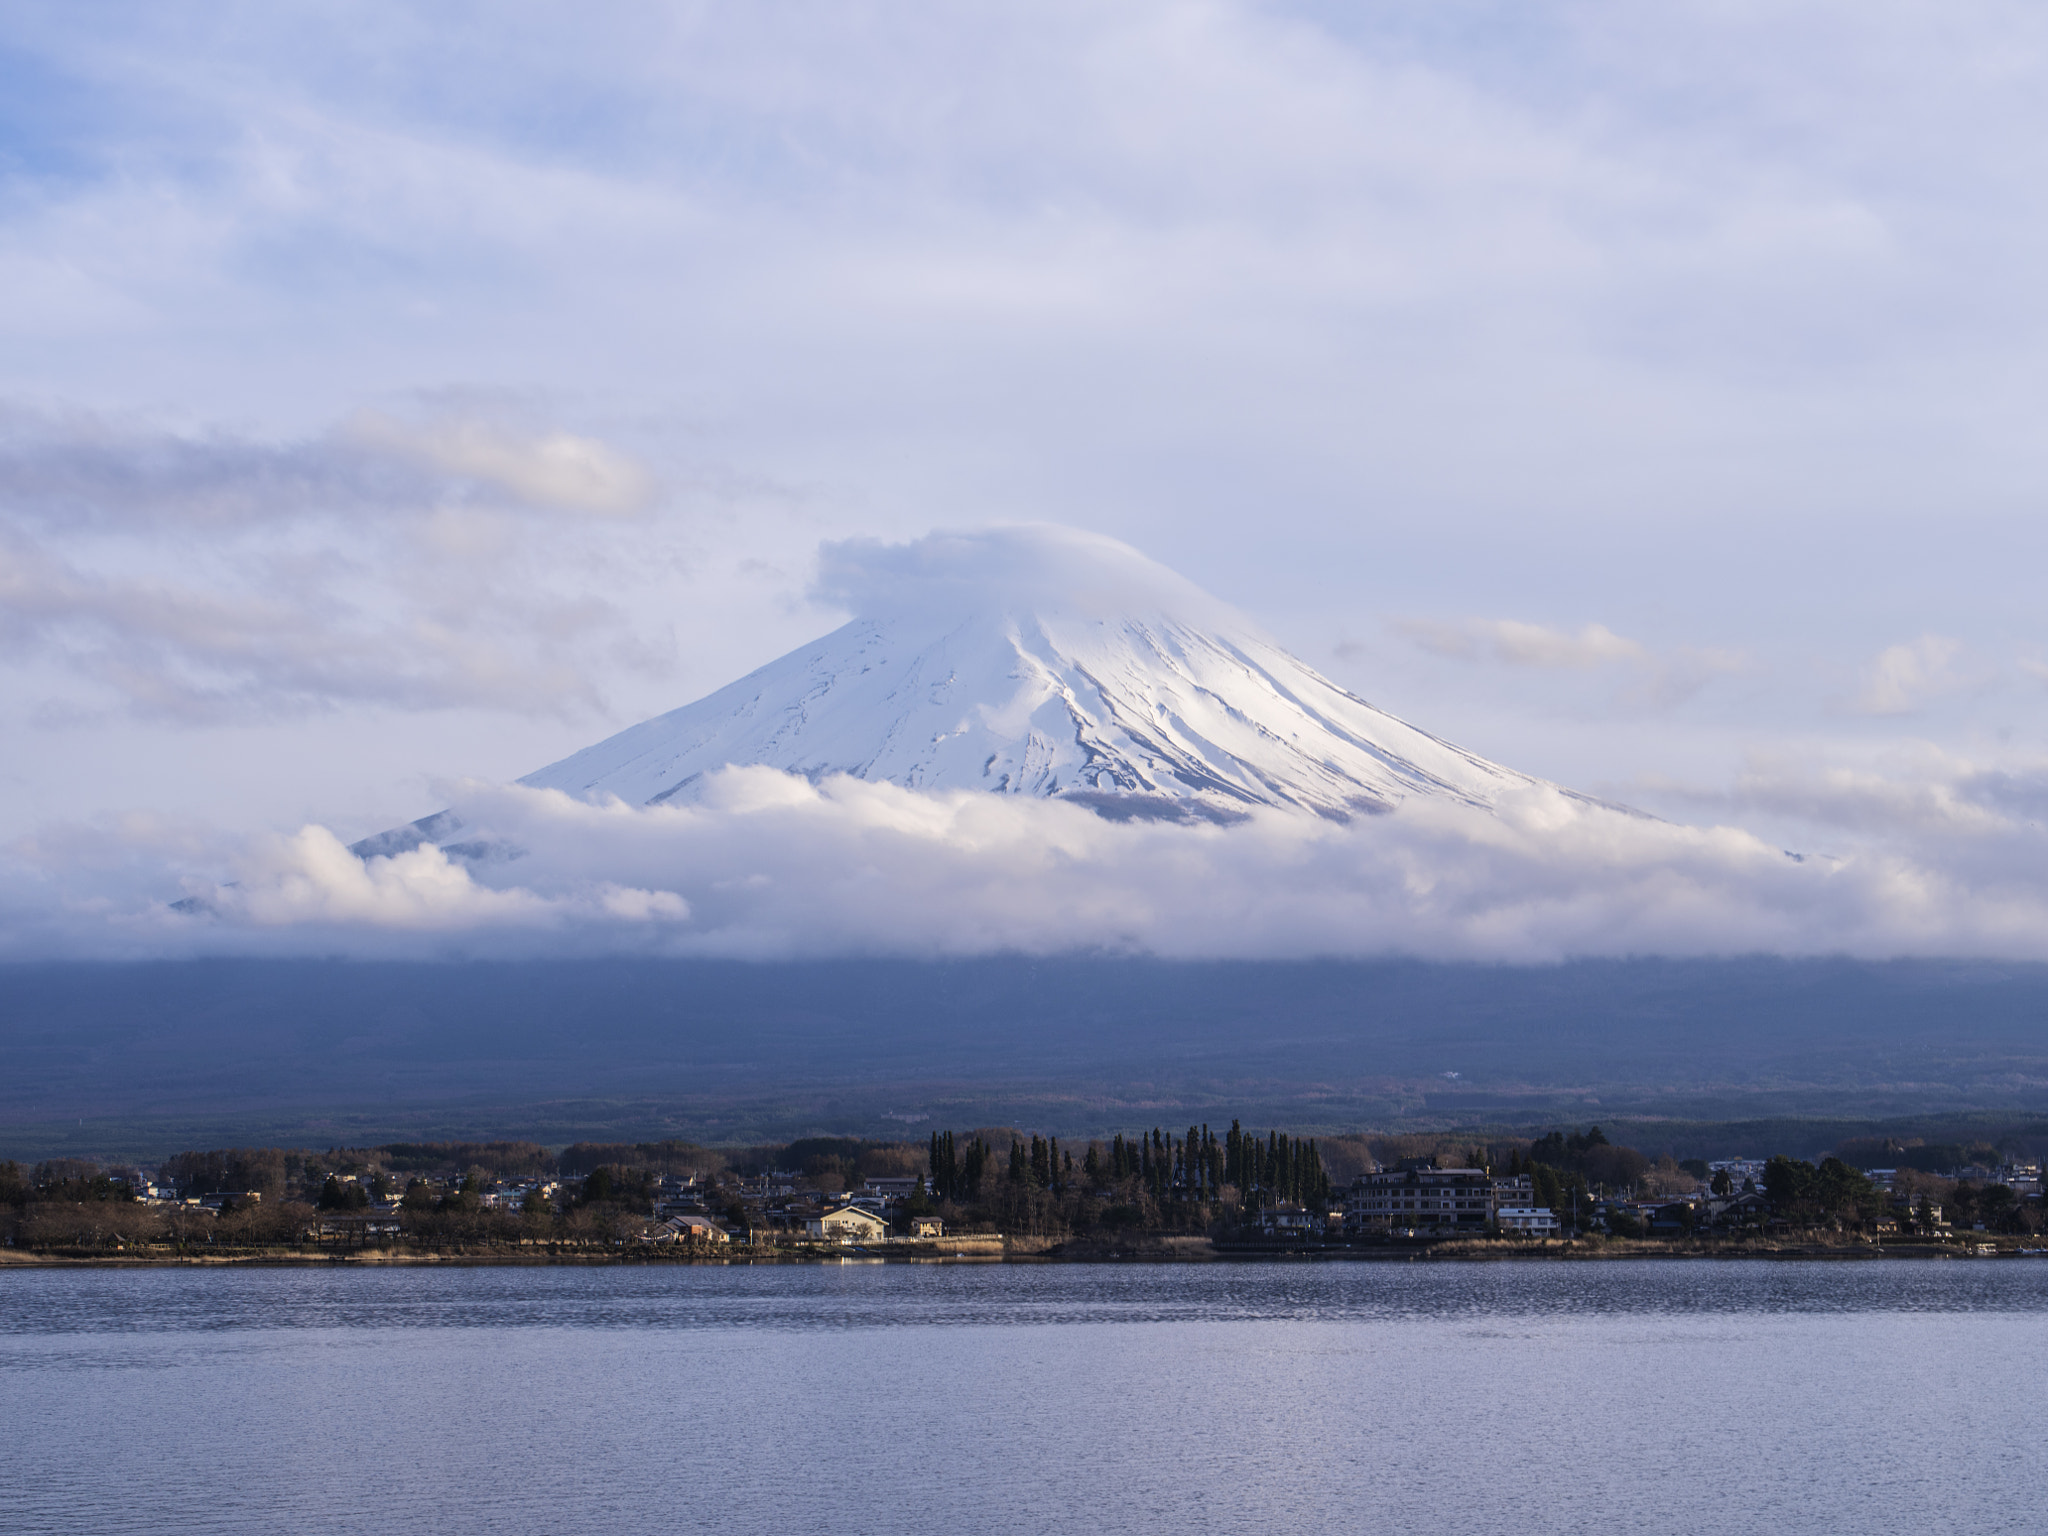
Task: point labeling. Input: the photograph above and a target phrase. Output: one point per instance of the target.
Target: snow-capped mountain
(1035, 661)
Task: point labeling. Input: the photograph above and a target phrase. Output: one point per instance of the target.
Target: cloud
(769, 865)
(1904, 678)
(549, 469)
(1655, 680)
(1916, 798)
(1516, 644)
(310, 880)
(212, 578)
(1039, 565)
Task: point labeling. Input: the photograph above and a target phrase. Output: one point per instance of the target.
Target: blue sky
(1647, 397)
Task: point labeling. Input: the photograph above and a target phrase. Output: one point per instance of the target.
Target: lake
(1257, 1397)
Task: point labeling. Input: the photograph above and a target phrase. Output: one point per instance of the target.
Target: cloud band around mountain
(771, 866)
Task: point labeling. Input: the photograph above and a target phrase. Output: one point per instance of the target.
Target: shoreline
(996, 1250)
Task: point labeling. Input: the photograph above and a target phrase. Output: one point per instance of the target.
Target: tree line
(1194, 1169)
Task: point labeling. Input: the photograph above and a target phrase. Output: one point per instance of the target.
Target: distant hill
(150, 1056)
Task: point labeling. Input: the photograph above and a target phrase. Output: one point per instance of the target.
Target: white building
(848, 1224)
(1526, 1220)
(895, 1188)
(1739, 1169)
(2022, 1179)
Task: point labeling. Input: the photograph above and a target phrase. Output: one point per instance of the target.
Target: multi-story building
(2022, 1179)
(1421, 1200)
(1518, 1192)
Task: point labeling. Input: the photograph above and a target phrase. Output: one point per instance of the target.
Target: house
(927, 1226)
(1526, 1221)
(358, 1226)
(1741, 1171)
(1750, 1210)
(694, 1227)
(895, 1188)
(1287, 1220)
(1675, 1218)
(1927, 1213)
(848, 1224)
(230, 1199)
(510, 1197)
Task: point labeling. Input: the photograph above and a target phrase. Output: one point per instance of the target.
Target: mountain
(1035, 661)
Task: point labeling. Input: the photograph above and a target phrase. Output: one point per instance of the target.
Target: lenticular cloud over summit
(1038, 740)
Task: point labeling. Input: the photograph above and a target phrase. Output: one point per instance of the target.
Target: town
(993, 1194)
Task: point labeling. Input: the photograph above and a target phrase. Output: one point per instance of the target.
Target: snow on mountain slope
(1048, 662)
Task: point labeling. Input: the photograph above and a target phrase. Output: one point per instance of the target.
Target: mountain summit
(1049, 662)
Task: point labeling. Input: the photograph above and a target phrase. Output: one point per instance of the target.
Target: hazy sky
(1650, 397)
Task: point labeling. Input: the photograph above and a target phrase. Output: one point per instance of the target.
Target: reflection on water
(1514, 1397)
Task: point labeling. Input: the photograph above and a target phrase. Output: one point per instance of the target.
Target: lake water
(1248, 1398)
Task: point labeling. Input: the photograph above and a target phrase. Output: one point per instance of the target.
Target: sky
(394, 399)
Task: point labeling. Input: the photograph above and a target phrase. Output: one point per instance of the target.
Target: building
(1927, 1212)
(1435, 1200)
(1525, 1220)
(1748, 1210)
(927, 1226)
(1287, 1220)
(695, 1228)
(848, 1224)
(1740, 1171)
(1672, 1218)
(1518, 1192)
(229, 1199)
(512, 1196)
(358, 1226)
(2023, 1179)
(894, 1188)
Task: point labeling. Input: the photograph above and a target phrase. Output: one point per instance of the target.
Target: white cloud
(310, 884)
(312, 879)
(1916, 798)
(550, 468)
(1652, 679)
(208, 578)
(1516, 644)
(770, 865)
(1903, 678)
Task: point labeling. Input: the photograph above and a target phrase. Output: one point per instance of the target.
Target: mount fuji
(1038, 661)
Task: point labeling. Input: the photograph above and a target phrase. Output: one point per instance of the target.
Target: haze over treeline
(153, 1057)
